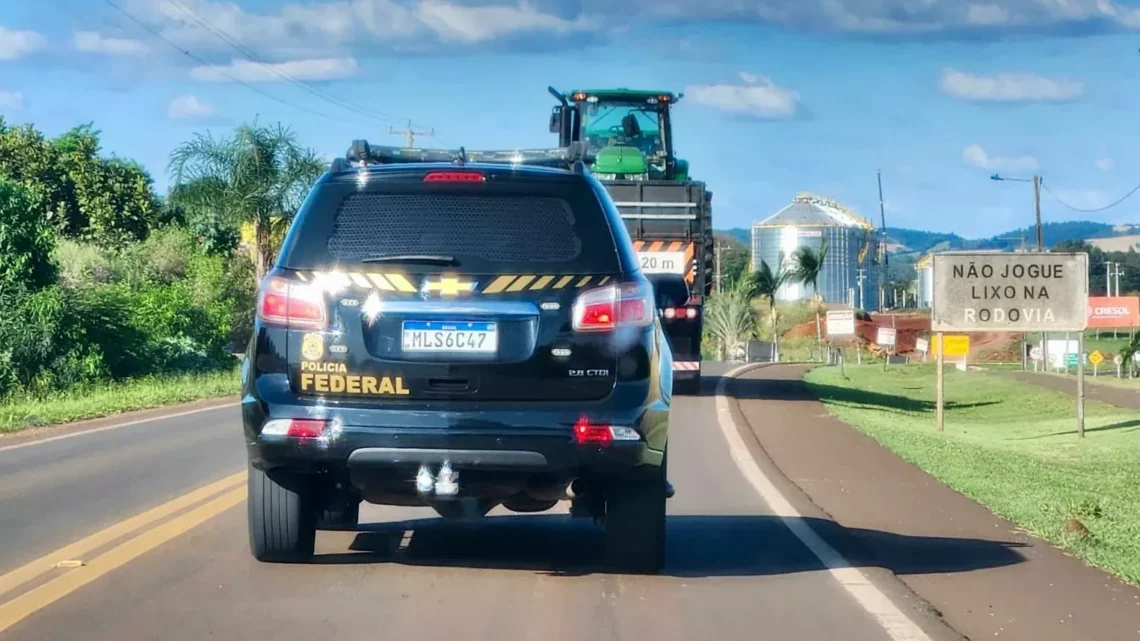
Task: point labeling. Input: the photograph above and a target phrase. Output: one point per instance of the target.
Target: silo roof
(807, 210)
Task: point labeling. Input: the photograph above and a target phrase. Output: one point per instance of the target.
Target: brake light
(292, 304)
(294, 428)
(680, 312)
(454, 177)
(608, 308)
(587, 433)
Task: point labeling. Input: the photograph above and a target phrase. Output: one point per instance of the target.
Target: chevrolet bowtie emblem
(448, 286)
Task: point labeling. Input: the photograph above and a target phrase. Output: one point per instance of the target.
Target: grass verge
(105, 399)
(1011, 446)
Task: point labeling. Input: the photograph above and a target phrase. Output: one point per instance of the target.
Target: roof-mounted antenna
(461, 157)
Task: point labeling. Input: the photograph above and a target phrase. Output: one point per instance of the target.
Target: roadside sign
(886, 336)
(1096, 358)
(1114, 311)
(1035, 353)
(841, 322)
(922, 345)
(1000, 292)
(1118, 360)
(1071, 360)
(953, 345)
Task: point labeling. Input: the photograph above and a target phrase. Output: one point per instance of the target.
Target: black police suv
(459, 335)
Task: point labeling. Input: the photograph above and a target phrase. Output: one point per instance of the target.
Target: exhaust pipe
(576, 490)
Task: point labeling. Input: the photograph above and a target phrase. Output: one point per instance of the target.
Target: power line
(276, 69)
(1091, 211)
(189, 54)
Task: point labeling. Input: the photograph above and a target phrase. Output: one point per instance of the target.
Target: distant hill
(913, 243)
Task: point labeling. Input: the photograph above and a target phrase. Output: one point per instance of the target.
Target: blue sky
(781, 96)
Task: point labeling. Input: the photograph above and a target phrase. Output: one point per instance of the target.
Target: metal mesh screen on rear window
(497, 229)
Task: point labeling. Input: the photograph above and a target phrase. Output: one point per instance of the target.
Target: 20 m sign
(980, 292)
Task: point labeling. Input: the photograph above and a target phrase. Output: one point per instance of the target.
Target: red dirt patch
(984, 347)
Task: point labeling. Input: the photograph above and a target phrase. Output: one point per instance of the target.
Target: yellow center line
(34, 600)
(75, 550)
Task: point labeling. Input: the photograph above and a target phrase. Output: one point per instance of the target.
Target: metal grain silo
(850, 270)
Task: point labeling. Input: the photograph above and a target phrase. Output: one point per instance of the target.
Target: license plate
(449, 336)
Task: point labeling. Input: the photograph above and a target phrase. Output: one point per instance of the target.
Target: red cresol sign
(1114, 311)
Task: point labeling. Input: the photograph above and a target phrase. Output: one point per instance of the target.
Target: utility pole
(1108, 278)
(1118, 272)
(1037, 211)
(411, 134)
(1036, 204)
(862, 275)
(716, 252)
(885, 267)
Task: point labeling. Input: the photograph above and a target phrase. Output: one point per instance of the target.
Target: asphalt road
(735, 569)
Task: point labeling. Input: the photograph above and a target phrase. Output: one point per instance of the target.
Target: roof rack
(575, 157)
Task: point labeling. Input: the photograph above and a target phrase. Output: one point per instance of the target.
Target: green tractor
(629, 135)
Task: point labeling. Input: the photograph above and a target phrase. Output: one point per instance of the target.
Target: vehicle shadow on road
(794, 390)
(698, 546)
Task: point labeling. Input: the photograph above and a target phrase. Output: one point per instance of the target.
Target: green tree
(729, 319)
(115, 197)
(259, 175)
(767, 282)
(26, 242)
(29, 159)
(808, 265)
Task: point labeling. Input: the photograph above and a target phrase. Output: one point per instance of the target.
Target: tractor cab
(628, 132)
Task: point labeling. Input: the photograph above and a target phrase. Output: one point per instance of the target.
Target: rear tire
(282, 517)
(635, 525)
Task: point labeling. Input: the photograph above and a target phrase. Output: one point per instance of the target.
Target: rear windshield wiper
(426, 259)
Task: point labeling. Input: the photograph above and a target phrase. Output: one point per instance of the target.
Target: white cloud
(17, 44)
(250, 71)
(190, 107)
(11, 100)
(976, 155)
(758, 97)
(94, 42)
(1008, 87)
(1105, 164)
(456, 22)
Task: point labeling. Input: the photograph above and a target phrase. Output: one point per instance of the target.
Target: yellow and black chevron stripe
(449, 285)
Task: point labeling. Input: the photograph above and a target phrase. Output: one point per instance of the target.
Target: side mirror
(670, 290)
(556, 120)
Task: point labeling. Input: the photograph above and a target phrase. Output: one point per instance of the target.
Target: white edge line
(116, 426)
(870, 598)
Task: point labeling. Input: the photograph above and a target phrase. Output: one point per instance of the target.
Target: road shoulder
(35, 434)
(985, 579)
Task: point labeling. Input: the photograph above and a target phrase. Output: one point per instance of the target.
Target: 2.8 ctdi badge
(313, 346)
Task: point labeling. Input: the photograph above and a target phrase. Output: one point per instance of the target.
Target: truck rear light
(680, 312)
(608, 308)
(294, 427)
(292, 304)
(454, 177)
(587, 433)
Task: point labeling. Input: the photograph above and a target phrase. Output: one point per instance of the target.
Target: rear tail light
(454, 177)
(295, 427)
(292, 304)
(587, 433)
(680, 312)
(608, 308)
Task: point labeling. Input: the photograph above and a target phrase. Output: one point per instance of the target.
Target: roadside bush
(26, 240)
(83, 264)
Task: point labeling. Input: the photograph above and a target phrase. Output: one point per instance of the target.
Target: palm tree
(259, 175)
(808, 267)
(729, 318)
(767, 283)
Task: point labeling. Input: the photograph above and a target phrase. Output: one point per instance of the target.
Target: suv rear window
(551, 227)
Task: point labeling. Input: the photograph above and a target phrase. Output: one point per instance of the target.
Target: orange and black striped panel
(649, 246)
